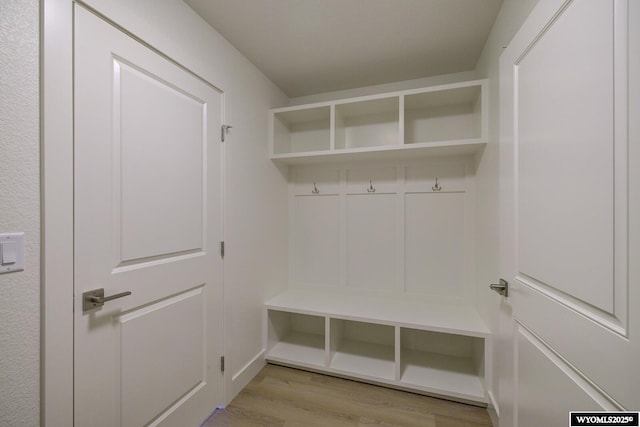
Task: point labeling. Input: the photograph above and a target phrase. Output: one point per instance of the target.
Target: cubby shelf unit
(444, 120)
(431, 348)
(381, 233)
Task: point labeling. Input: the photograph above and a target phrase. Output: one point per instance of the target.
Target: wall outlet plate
(11, 252)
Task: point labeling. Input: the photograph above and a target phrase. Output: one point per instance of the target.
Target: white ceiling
(313, 46)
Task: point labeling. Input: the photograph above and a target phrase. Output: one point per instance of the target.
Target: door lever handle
(502, 288)
(95, 298)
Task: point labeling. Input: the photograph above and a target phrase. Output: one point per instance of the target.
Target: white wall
(511, 16)
(20, 211)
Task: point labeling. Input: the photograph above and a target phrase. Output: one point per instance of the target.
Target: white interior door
(570, 215)
(148, 220)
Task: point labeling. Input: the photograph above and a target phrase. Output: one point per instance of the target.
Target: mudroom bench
(432, 348)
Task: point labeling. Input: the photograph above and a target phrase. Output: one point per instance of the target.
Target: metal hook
(315, 189)
(371, 189)
(436, 187)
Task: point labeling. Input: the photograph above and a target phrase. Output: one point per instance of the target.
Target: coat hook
(371, 189)
(436, 187)
(315, 189)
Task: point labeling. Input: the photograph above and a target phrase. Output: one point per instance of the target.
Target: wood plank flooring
(285, 397)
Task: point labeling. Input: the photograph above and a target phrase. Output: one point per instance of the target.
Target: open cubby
(301, 130)
(296, 338)
(443, 363)
(371, 123)
(444, 115)
(362, 348)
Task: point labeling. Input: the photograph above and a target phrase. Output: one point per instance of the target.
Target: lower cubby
(294, 337)
(362, 348)
(443, 363)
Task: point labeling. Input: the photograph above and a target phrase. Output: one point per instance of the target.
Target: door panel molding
(601, 317)
(564, 175)
(545, 371)
(178, 204)
(613, 314)
(137, 374)
(614, 317)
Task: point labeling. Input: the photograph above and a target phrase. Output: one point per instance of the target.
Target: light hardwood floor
(280, 396)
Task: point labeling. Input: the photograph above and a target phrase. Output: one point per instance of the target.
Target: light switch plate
(11, 252)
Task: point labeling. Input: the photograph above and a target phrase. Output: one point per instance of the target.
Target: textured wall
(20, 211)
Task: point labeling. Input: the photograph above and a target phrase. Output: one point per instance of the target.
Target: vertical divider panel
(290, 229)
(439, 229)
(484, 111)
(338, 129)
(272, 138)
(327, 341)
(280, 137)
(401, 120)
(397, 365)
(315, 227)
(277, 324)
(332, 127)
(372, 227)
(400, 226)
(477, 113)
(484, 356)
(343, 228)
(266, 343)
(335, 326)
(469, 231)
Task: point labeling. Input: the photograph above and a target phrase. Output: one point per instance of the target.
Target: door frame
(56, 165)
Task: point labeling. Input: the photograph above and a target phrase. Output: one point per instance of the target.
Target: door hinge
(222, 249)
(223, 131)
(222, 363)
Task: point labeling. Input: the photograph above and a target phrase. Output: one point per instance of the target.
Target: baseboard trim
(245, 374)
(493, 410)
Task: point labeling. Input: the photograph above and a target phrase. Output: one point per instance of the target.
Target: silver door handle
(95, 298)
(502, 288)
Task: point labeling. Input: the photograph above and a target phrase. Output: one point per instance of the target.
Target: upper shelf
(436, 121)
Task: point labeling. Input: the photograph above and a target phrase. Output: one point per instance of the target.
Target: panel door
(569, 212)
(148, 221)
